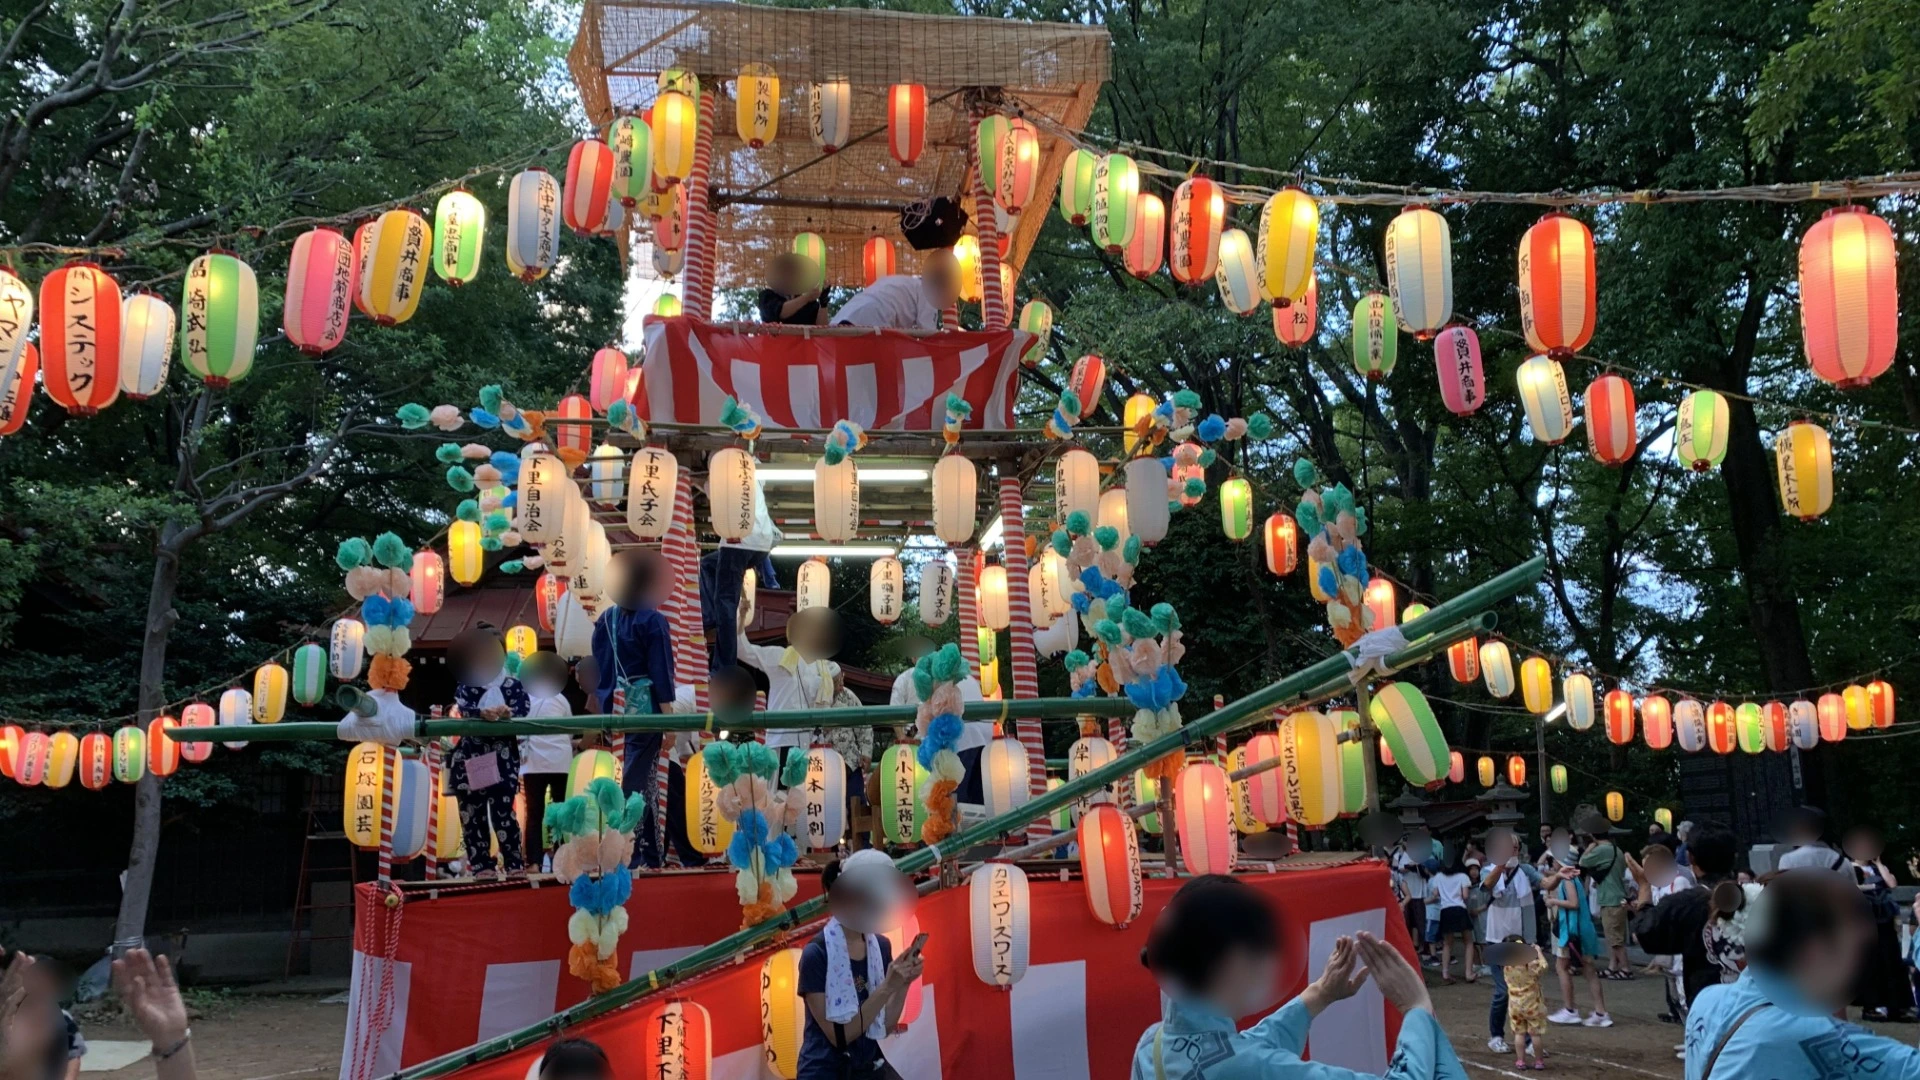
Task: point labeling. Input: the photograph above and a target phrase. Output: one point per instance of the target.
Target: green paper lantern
(219, 318)
(1076, 186)
(1407, 724)
(1376, 337)
(1557, 776)
(309, 674)
(902, 813)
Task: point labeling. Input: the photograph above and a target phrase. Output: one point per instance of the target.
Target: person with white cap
(853, 985)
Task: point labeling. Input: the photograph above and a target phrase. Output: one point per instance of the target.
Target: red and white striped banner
(682, 610)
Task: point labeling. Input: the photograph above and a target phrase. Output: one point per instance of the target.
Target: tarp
(882, 380)
(471, 966)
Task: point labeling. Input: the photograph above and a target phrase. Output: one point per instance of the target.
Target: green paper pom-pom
(1108, 631)
(1195, 487)
(491, 396)
(496, 522)
(958, 405)
(1079, 522)
(1167, 619)
(1130, 551)
(796, 770)
(392, 552)
(1077, 659)
(1070, 403)
(1259, 425)
(1062, 543)
(834, 454)
(459, 479)
(448, 453)
(1117, 605)
(1308, 517)
(468, 510)
(1139, 624)
(732, 414)
(948, 665)
(1304, 473)
(1186, 399)
(489, 543)
(722, 761)
(512, 566)
(923, 683)
(1208, 457)
(511, 664)
(1360, 521)
(352, 552)
(1107, 537)
(413, 416)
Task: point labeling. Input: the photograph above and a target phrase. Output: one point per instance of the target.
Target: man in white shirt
(1805, 828)
(905, 301)
(800, 676)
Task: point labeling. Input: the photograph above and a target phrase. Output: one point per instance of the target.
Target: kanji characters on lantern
(1198, 211)
(80, 338)
(1419, 256)
(1543, 394)
(392, 273)
(1289, 231)
(1557, 286)
(756, 104)
(1611, 430)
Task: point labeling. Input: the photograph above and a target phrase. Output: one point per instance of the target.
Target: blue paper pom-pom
(1212, 429)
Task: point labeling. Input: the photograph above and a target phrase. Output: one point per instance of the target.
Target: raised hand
(1400, 982)
(1340, 979)
(14, 1039)
(152, 997)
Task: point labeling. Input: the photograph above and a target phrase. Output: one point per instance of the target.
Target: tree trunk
(137, 887)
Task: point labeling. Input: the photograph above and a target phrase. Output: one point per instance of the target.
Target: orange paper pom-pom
(582, 959)
(389, 673)
(761, 909)
(1090, 727)
(536, 429)
(1166, 769)
(940, 808)
(1104, 674)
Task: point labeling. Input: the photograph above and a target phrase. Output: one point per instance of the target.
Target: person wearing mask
(907, 301)
(1450, 888)
(483, 771)
(1804, 828)
(1509, 909)
(801, 676)
(633, 655)
(853, 985)
(1605, 866)
(1806, 939)
(1574, 939)
(1883, 992)
(1675, 924)
(1215, 951)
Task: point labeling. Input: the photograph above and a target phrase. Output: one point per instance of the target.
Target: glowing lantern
(1557, 778)
(1880, 703)
(1280, 542)
(1237, 274)
(16, 320)
(573, 441)
(1803, 459)
(822, 823)
(1017, 167)
(607, 379)
(129, 755)
(1088, 380)
(956, 494)
(320, 285)
(812, 585)
(1110, 865)
(1420, 270)
(269, 693)
(1859, 711)
(901, 810)
(1664, 817)
(1803, 725)
(588, 766)
(730, 492)
(990, 594)
(1380, 601)
(1722, 735)
(94, 760)
(1146, 496)
(1047, 582)
(236, 710)
(1577, 690)
(1690, 725)
(1089, 752)
(812, 248)
(670, 224)
(1036, 318)
(1001, 919)
(666, 305)
(1656, 722)
(1456, 767)
(1376, 341)
(783, 1013)
(533, 224)
(63, 753)
(1543, 393)
(651, 476)
(1611, 431)
(936, 593)
(1831, 711)
(631, 140)
(1407, 724)
(1557, 285)
(1487, 770)
(391, 279)
(878, 259)
(1146, 250)
(1076, 483)
(1236, 508)
(1496, 665)
(830, 114)
(1266, 791)
(466, 558)
(30, 761)
(836, 500)
(906, 122)
(1309, 744)
(1204, 819)
(886, 590)
(1005, 785)
(1116, 188)
(1244, 822)
(1076, 186)
(346, 649)
(522, 640)
(1619, 717)
(459, 235)
(1199, 209)
(197, 715)
(1700, 430)
(673, 125)
(428, 582)
(1463, 383)
(1616, 806)
(966, 254)
(80, 338)
(1775, 731)
(309, 674)
(146, 345)
(1293, 324)
(1386, 754)
(163, 754)
(1849, 296)
(1517, 770)
(1536, 685)
(756, 104)
(1134, 416)
(1289, 231)
(1113, 512)
(16, 395)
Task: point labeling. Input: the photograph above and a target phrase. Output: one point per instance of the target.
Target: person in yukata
(801, 676)
(1526, 1006)
(484, 770)
(1215, 951)
(633, 654)
(1806, 939)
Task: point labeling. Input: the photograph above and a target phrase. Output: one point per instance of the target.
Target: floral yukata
(1195, 1042)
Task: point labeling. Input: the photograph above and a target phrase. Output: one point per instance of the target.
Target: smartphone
(918, 943)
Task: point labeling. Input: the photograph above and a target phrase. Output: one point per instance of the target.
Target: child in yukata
(484, 770)
(1526, 1006)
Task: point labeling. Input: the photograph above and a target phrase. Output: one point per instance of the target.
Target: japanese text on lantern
(742, 509)
(903, 804)
(1463, 364)
(13, 317)
(548, 216)
(83, 335)
(1000, 906)
(366, 781)
(339, 292)
(766, 1018)
(647, 498)
(670, 1044)
(196, 303)
(407, 278)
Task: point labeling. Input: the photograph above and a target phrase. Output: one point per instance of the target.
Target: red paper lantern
(1773, 726)
(1557, 286)
(1198, 213)
(12, 740)
(1110, 865)
(1880, 703)
(1619, 708)
(546, 600)
(1463, 660)
(35, 758)
(607, 380)
(320, 291)
(1379, 599)
(1293, 324)
(96, 761)
(1517, 770)
(1832, 712)
(80, 338)
(589, 187)
(906, 122)
(1146, 249)
(361, 234)
(1656, 722)
(1280, 540)
(1456, 357)
(878, 259)
(1849, 297)
(1610, 421)
(570, 440)
(197, 715)
(1088, 379)
(1722, 731)
(163, 754)
(1456, 766)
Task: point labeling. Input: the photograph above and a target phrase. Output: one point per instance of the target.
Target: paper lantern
(539, 509)
(1203, 817)
(1880, 703)
(1557, 778)
(1036, 318)
(1379, 600)
(936, 592)
(428, 582)
(676, 1037)
(1146, 249)
(666, 305)
(533, 224)
(163, 754)
(521, 640)
(1244, 822)
(236, 710)
(878, 259)
(1236, 508)
(16, 395)
(1611, 431)
(1280, 542)
(836, 500)
(573, 441)
(823, 801)
(1663, 817)
(1420, 270)
(1543, 394)
(346, 649)
(16, 320)
(30, 761)
(1619, 708)
(80, 338)
(1087, 380)
(812, 585)
(606, 475)
(320, 287)
(1000, 913)
(1722, 733)
(465, 556)
(1076, 186)
(363, 235)
(94, 760)
(901, 810)
(886, 590)
(783, 1013)
(1407, 725)
(1076, 484)
(412, 796)
(1146, 498)
(1016, 167)
(1859, 711)
(1293, 324)
(1266, 791)
(1616, 806)
(1557, 286)
(1005, 783)
(1487, 771)
(391, 278)
(1113, 512)
(63, 754)
(990, 596)
(607, 379)
(956, 492)
(811, 247)
(1577, 690)
(673, 125)
(1700, 430)
(1376, 340)
(707, 827)
(631, 140)
(1803, 725)
(1310, 748)
(1116, 189)
(1803, 460)
(830, 114)
(651, 475)
(588, 766)
(966, 255)
(1536, 685)
(730, 492)
(269, 693)
(1849, 296)
(1199, 209)
(1496, 665)
(906, 122)
(756, 104)
(146, 345)
(1775, 731)
(1353, 763)
(1089, 752)
(309, 682)
(1690, 725)
(1517, 770)
(197, 715)
(1238, 274)
(1289, 231)
(460, 231)
(1456, 357)
(1831, 711)
(1110, 865)
(129, 755)
(1134, 415)
(1048, 581)
(670, 224)
(1656, 722)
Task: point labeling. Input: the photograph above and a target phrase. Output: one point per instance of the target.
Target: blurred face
(816, 636)
(1247, 982)
(1828, 967)
(481, 662)
(941, 273)
(1659, 865)
(1863, 845)
(1501, 846)
(784, 278)
(870, 901)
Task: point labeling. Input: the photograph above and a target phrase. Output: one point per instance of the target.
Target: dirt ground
(250, 1037)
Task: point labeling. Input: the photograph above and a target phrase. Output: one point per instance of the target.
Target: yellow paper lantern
(783, 1014)
(63, 754)
(991, 595)
(1536, 685)
(269, 693)
(367, 764)
(1240, 797)
(465, 557)
(1859, 707)
(956, 495)
(392, 275)
(1616, 806)
(1289, 231)
(1487, 771)
(709, 830)
(730, 492)
(675, 124)
(1309, 744)
(756, 104)
(588, 766)
(1803, 459)
(966, 252)
(1134, 416)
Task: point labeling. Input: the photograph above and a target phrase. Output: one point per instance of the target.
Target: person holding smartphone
(853, 985)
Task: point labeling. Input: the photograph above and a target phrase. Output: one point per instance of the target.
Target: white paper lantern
(651, 477)
(607, 474)
(1003, 776)
(956, 493)
(1056, 640)
(1001, 910)
(990, 595)
(886, 590)
(812, 585)
(236, 710)
(572, 628)
(836, 500)
(541, 504)
(1146, 495)
(1420, 270)
(1577, 689)
(822, 823)
(1113, 510)
(936, 592)
(1543, 393)
(1076, 483)
(346, 649)
(730, 486)
(830, 114)
(1089, 752)
(146, 344)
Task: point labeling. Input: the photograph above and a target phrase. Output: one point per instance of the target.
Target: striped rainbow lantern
(1486, 769)
(1536, 685)
(222, 304)
(1463, 660)
(1775, 731)
(1000, 916)
(1203, 817)
(80, 338)
(1880, 703)
(1577, 691)
(1803, 460)
(1408, 727)
(1016, 168)
(1557, 285)
(631, 140)
(1280, 543)
(607, 379)
(1266, 791)
(1237, 275)
(95, 760)
(1289, 232)
(346, 649)
(310, 672)
(236, 710)
(163, 754)
(1557, 778)
(1722, 728)
(1147, 249)
(63, 754)
(460, 235)
(391, 281)
(1420, 271)
(1690, 725)
(1309, 744)
(1456, 767)
(830, 114)
(129, 754)
(1036, 318)
(907, 122)
(1496, 667)
(1749, 728)
(146, 345)
(879, 258)
(1244, 822)
(1353, 763)
(1611, 432)
(17, 396)
(197, 715)
(1619, 708)
(1831, 711)
(1803, 725)
(1116, 190)
(783, 1013)
(1543, 394)
(1076, 186)
(1293, 325)
(1849, 296)
(756, 104)
(588, 766)
(269, 693)
(320, 291)
(1700, 430)
(1376, 340)
(812, 248)
(533, 224)
(1463, 383)
(1110, 865)
(673, 125)
(1656, 722)
(1198, 213)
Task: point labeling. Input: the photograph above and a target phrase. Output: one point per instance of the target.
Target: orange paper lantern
(1557, 285)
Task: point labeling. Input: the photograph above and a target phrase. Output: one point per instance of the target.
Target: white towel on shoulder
(843, 1002)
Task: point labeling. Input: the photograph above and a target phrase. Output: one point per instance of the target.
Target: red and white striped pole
(993, 304)
(969, 608)
(702, 232)
(689, 642)
(1026, 673)
(389, 776)
(434, 782)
